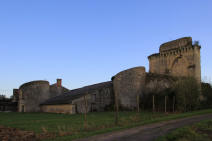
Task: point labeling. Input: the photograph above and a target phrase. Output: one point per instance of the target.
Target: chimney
(15, 95)
(59, 82)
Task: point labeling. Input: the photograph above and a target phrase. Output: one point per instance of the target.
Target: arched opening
(179, 67)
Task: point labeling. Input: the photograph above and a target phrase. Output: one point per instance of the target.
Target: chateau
(178, 58)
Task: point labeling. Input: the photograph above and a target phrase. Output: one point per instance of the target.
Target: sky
(88, 41)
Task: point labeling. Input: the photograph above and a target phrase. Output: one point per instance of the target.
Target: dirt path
(147, 132)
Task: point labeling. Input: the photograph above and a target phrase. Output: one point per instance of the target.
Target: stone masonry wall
(156, 83)
(64, 108)
(31, 95)
(128, 85)
(177, 58)
(97, 100)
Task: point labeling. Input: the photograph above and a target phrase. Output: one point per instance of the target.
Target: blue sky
(88, 41)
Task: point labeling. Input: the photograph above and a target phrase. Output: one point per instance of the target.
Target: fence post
(85, 114)
(165, 104)
(173, 106)
(153, 103)
(138, 108)
(116, 109)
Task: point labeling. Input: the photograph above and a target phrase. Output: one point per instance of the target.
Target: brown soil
(13, 134)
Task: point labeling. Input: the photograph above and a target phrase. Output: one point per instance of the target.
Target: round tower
(31, 94)
(128, 85)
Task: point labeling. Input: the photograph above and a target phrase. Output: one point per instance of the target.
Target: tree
(116, 109)
(2, 97)
(207, 95)
(187, 94)
(196, 43)
(85, 112)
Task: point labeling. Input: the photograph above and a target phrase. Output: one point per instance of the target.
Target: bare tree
(85, 113)
(153, 103)
(138, 101)
(116, 108)
(173, 106)
(165, 104)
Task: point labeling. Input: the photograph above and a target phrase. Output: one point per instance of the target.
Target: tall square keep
(179, 57)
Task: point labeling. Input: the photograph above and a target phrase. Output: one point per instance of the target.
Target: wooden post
(116, 109)
(138, 108)
(165, 104)
(153, 103)
(86, 110)
(173, 106)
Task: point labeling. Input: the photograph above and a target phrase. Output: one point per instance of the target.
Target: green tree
(187, 94)
(207, 95)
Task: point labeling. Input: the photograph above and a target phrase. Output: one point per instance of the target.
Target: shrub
(207, 95)
(187, 94)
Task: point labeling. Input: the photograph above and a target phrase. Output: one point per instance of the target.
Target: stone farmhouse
(178, 58)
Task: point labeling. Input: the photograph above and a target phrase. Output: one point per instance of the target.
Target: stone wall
(177, 58)
(175, 44)
(15, 96)
(97, 100)
(156, 83)
(64, 108)
(31, 95)
(128, 85)
(56, 90)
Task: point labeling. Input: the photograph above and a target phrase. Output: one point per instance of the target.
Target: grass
(69, 127)
(201, 131)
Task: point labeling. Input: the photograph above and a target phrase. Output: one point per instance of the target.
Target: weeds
(44, 130)
(198, 132)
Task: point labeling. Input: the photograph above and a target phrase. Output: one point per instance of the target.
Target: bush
(187, 94)
(207, 95)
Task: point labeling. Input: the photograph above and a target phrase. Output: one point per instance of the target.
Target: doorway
(22, 108)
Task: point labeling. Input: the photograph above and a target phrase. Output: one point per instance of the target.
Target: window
(94, 96)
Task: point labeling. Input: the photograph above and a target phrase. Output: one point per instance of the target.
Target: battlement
(177, 47)
(176, 44)
(176, 58)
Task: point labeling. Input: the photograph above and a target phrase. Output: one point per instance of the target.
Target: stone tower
(177, 58)
(129, 84)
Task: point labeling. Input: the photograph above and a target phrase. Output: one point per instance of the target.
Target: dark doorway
(22, 108)
(93, 107)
